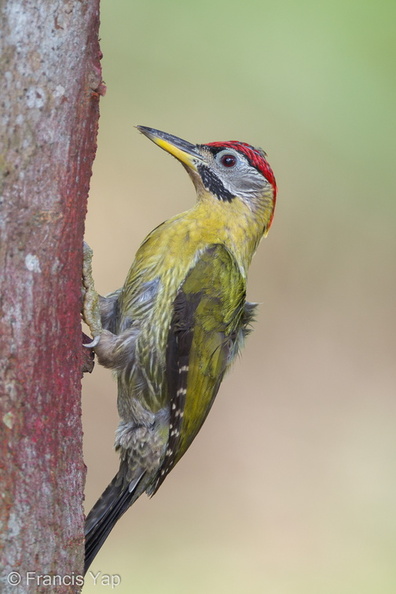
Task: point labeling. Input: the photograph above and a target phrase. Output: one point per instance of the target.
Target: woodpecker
(174, 328)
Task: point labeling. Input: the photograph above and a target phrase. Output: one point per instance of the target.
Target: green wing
(208, 325)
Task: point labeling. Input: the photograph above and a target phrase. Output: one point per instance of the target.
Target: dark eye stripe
(213, 184)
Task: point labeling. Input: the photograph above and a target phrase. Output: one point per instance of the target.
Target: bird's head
(227, 171)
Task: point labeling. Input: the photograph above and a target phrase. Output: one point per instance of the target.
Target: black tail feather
(112, 504)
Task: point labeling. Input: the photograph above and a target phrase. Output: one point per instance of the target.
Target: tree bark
(51, 82)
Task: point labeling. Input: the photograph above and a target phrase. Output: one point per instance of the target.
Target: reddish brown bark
(51, 82)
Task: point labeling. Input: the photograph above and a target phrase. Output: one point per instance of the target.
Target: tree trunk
(51, 82)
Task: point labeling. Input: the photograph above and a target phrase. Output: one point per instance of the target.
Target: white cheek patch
(247, 184)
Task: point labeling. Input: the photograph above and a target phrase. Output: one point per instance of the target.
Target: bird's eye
(228, 160)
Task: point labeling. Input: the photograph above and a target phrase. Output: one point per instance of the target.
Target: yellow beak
(184, 151)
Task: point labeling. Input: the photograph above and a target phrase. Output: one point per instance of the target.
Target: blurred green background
(291, 485)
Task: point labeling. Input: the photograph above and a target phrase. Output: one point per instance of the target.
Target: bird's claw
(91, 307)
(93, 343)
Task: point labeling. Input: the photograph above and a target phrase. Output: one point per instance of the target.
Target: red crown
(256, 158)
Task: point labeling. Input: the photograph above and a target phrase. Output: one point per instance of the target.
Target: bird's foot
(91, 307)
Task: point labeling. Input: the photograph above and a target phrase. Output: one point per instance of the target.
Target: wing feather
(207, 325)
